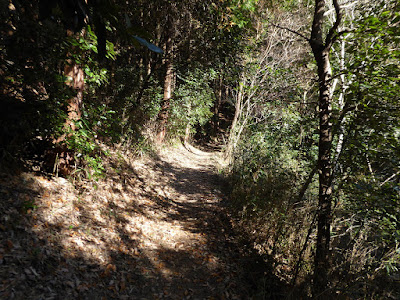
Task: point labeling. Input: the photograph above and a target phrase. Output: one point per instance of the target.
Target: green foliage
(276, 129)
(380, 204)
(95, 167)
(29, 205)
(278, 148)
(271, 163)
(374, 126)
(151, 101)
(95, 78)
(367, 170)
(239, 10)
(192, 101)
(96, 121)
(83, 51)
(268, 164)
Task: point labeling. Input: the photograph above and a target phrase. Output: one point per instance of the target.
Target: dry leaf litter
(153, 228)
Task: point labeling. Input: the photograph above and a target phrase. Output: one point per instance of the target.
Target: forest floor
(154, 228)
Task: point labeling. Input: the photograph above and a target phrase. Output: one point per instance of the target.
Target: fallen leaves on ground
(152, 229)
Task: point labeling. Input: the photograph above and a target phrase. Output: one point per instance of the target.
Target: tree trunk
(76, 80)
(187, 134)
(60, 159)
(341, 103)
(232, 135)
(325, 172)
(168, 87)
(164, 113)
(321, 51)
(217, 105)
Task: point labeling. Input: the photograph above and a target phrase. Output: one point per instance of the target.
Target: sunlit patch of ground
(151, 229)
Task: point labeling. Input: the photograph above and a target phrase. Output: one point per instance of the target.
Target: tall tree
(321, 47)
(168, 81)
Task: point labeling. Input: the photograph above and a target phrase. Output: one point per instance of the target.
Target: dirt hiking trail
(151, 229)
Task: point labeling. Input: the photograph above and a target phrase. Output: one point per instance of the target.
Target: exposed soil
(152, 229)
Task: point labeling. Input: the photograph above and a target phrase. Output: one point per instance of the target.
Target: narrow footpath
(153, 228)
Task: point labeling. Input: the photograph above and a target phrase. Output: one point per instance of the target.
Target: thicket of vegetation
(276, 158)
(302, 95)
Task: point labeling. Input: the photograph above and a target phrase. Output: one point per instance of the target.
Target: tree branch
(332, 34)
(306, 185)
(303, 249)
(344, 5)
(345, 110)
(292, 31)
(390, 178)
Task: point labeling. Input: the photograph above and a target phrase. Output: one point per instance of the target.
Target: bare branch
(292, 31)
(344, 31)
(390, 178)
(306, 184)
(344, 5)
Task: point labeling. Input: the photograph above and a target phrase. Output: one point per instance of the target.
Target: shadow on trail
(89, 248)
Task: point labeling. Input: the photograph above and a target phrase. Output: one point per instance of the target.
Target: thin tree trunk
(75, 73)
(164, 113)
(150, 68)
(341, 104)
(75, 79)
(187, 134)
(217, 105)
(238, 110)
(60, 158)
(321, 49)
(168, 86)
(325, 172)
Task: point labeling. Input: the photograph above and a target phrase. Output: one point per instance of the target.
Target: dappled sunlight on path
(152, 229)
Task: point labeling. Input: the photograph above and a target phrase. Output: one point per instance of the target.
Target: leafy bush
(192, 102)
(268, 164)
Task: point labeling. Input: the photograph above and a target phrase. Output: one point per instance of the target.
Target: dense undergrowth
(273, 174)
(267, 178)
(364, 235)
